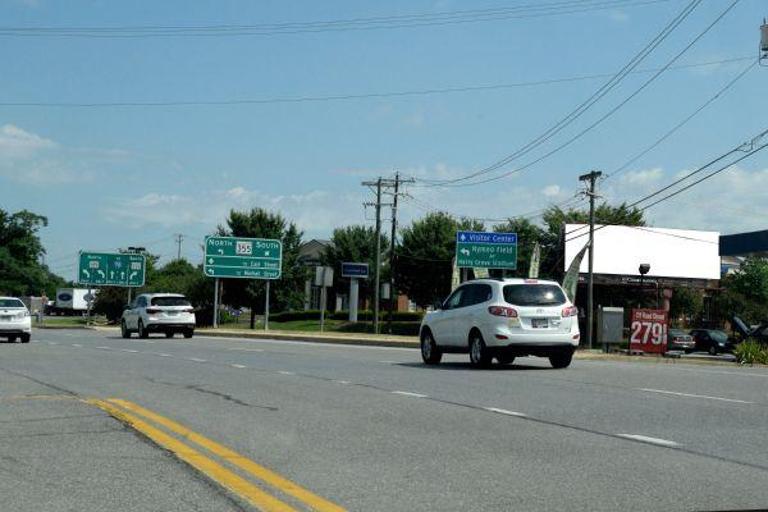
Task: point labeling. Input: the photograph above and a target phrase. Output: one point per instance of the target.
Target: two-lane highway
(371, 428)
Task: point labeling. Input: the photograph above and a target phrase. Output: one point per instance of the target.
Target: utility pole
(381, 184)
(179, 239)
(591, 178)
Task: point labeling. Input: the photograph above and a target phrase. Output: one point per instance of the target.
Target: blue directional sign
(486, 250)
(349, 269)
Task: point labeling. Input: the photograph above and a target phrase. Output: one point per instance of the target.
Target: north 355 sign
(648, 331)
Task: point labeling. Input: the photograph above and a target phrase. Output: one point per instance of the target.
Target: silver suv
(503, 319)
(168, 313)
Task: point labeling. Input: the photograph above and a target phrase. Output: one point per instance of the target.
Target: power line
(526, 11)
(682, 123)
(605, 116)
(573, 115)
(353, 96)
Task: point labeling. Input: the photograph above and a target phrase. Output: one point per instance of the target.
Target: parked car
(712, 341)
(15, 321)
(678, 339)
(167, 313)
(502, 319)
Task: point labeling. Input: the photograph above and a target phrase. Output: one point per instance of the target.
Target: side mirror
(437, 305)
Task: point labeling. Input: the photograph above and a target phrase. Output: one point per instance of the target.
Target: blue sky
(113, 177)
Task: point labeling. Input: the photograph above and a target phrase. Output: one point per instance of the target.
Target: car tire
(430, 353)
(25, 338)
(124, 332)
(505, 359)
(143, 334)
(11, 339)
(189, 333)
(169, 334)
(561, 359)
(712, 350)
(478, 352)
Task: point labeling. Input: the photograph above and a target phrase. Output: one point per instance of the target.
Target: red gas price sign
(648, 331)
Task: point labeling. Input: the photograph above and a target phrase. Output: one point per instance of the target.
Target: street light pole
(591, 178)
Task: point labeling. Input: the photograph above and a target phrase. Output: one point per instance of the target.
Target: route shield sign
(486, 250)
(111, 269)
(243, 258)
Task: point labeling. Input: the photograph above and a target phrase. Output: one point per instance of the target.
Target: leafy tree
(528, 234)
(288, 291)
(355, 244)
(20, 252)
(745, 292)
(424, 264)
(686, 304)
(176, 276)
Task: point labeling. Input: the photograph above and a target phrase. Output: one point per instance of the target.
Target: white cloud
(643, 177)
(316, 212)
(551, 190)
(619, 16)
(16, 143)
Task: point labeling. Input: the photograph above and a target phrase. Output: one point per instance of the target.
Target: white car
(15, 321)
(502, 319)
(167, 313)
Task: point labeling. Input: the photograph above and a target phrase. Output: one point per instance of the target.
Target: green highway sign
(111, 269)
(243, 258)
(486, 250)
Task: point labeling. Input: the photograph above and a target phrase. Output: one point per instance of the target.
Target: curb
(54, 327)
(276, 335)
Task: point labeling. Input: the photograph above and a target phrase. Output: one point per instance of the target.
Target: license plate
(5, 318)
(539, 323)
(172, 313)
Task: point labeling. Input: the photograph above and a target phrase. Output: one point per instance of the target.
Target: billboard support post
(354, 288)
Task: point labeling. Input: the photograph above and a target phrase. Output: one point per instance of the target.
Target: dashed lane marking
(283, 372)
(239, 366)
(196, 359)
(409, 393)
(77, 345)
(649, 440)
(691, 395)
(505, 412)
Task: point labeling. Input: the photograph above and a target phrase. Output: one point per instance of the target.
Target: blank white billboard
(620, 250)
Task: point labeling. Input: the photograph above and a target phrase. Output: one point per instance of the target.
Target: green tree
(355, 244)
(686, 304)
(176, 276)
(20, 252)
(287, 292)
(424, 264)
(745, 292)
(528, 234)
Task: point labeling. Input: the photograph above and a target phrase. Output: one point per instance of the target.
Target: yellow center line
(213, 470)
(264, 474)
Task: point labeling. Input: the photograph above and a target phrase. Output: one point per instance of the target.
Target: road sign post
(354, 271)
(486, 250)
(216, 303)
(242, 258)
(111, 269)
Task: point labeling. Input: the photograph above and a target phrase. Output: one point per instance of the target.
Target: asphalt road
(371, 428)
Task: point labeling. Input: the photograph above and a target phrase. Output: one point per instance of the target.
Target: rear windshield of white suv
(11, 303)
(170, 301)
(534, 295)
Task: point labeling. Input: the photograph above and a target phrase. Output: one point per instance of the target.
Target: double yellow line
(139, 419)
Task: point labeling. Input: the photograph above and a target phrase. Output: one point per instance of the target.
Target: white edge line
(691, 395)
(409, 393)
(196, 359)
(505, 412)
(649, 440)
(311, 343)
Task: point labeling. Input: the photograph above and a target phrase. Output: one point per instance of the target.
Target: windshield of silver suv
(534, 295)
(170, 301)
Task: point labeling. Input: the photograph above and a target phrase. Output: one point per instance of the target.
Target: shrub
(398, 328)
(750, 351)
(367, 316)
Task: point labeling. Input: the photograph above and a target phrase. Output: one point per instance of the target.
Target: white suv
(15, 321)
(168, 313)
(503, 319)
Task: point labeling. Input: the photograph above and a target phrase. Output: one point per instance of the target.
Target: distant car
(15, 321)
(678, 339)
(712, 341)
(502, 319)
(167, 313)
